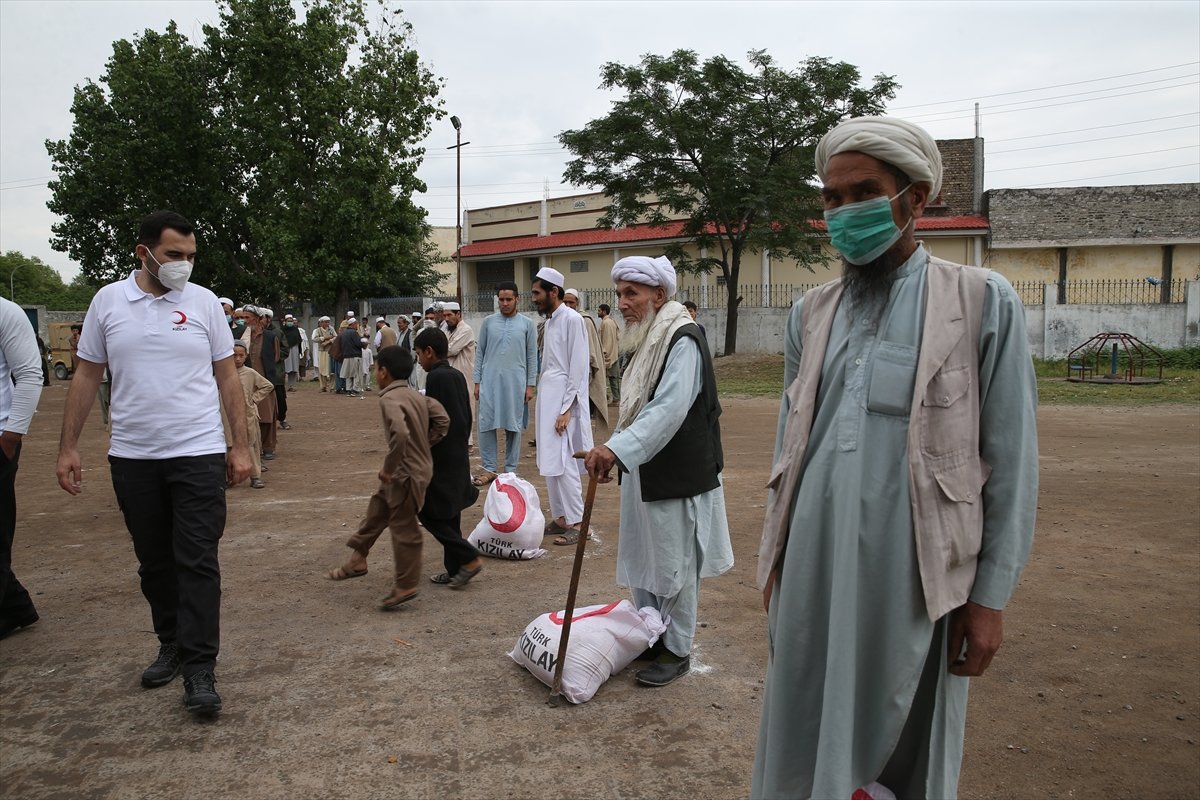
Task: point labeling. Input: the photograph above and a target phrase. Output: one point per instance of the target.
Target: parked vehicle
(61, 363)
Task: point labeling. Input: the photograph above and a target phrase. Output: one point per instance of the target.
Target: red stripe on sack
(557, 619)
(519, 509)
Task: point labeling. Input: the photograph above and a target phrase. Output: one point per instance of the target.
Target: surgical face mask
(241, 323)
(864, 231)
(173, 274)
(229, 317)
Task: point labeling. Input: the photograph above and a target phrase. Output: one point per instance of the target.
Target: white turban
(647, 271)
(324, 319)
(893, 141)
(225, 301)
(551, 275)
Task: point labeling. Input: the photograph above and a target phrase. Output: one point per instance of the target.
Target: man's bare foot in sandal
(484, 478)
(570, 537)
(355, 567)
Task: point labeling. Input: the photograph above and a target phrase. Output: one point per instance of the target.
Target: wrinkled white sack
(873, 791)
(513, 522)
(604, 639)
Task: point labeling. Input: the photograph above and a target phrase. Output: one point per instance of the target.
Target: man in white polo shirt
(170, 351)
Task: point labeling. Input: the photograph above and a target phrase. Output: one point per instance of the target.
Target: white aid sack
(604, 640)
(512, 520)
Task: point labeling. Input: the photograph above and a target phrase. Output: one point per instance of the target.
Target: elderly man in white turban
(322, 338)
(667, 445)
(563, 424)
(902, 498)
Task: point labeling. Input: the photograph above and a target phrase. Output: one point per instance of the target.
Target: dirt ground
(1095, 693)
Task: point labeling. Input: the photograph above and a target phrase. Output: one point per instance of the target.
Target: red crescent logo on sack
(518, 509)
(182, 317)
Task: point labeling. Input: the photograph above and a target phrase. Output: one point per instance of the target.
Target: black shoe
(199, 694)
(268, 455)
(287, 426)
(652, 652)
(165, 667)
(660, 673)
(23, 621)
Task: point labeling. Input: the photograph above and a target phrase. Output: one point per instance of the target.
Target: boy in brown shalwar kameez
(412, 423)
(254, 388)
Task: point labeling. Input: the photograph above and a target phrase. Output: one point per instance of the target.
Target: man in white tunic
(563, 424)
(505, 374)
(667, 446)
(903, 494)
(597, 378)
(460, 350)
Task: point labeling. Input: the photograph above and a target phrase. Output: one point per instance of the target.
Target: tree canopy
(730, 149)
(32, 282)
(292, 143)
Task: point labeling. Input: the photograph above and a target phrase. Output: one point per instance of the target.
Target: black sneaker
(199, 694)
(667, 668)
(16, 623)
(165, 667)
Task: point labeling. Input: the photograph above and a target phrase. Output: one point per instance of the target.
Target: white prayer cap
(380, 319)
(647, 271)
(288, 316)
(225, 301)
(574, 292)
(451, 306)
(898, 142)
(416, 315)
(324, 319)
(349, 314)
(551, 275)
(239, 308)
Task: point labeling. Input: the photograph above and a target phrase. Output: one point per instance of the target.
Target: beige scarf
(648, 360)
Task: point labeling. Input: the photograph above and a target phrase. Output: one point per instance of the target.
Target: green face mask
(864, 231)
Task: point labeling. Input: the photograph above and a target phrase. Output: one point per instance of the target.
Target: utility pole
(458, 242)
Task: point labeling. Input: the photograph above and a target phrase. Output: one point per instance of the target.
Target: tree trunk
(731, 303)
(343, 305)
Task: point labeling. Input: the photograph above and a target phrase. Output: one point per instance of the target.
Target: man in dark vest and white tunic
(667, 448)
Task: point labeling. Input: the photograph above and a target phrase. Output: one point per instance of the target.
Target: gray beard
(868, 286)
(635, 332)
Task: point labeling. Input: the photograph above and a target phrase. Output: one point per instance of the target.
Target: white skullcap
(225, 301)
(324, 319)
(893, 141)
(451, 306)
(416, 315)
(574, 292)
(288, 316)
(380, 319)
(551, 275)
(349, 314)
(647, 271)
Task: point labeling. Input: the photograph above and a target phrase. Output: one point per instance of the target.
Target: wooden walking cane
(575, 570)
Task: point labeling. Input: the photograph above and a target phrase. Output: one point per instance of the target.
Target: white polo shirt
(160, 351)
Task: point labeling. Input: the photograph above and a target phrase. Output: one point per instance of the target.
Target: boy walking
(451, 490)
(255, 388)
(412, 424)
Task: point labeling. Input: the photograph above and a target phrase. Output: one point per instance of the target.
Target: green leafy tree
(729, 150)
(292, 142)
(32, 282)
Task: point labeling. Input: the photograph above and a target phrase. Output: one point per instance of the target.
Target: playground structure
(1085, 362)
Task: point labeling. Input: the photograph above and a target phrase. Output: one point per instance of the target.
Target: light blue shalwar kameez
(667, 546)
(505, 364)
(852, 648)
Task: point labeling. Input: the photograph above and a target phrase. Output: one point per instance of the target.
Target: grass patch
(759, 375)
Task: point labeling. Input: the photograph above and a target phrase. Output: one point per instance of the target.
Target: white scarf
(648, 359)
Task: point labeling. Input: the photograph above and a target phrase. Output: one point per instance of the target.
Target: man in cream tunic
(667, 446)
(563, 424)
(903, 494)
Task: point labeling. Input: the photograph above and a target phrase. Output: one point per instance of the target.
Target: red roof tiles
(592, 237)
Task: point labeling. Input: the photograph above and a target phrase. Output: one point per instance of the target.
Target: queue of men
(900, 505)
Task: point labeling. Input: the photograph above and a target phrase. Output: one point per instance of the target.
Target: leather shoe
(165, 667)
(23, 621)
(662, 672)
(200, 695)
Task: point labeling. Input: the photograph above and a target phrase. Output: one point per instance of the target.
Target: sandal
(554, 529)
(570, 537)
(441, 578)
(392, 601)
(343, 573)
(484, 478)
(463, 576)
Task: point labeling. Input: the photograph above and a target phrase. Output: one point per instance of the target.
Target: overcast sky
(1072, 93)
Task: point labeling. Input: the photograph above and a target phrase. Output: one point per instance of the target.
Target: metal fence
(1115, 291)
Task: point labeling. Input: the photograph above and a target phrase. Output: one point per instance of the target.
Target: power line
(1054, 86)
(27, 186)
(1094, 127)
(970, 115)
(1089, 141)
(958, 113)
(1099, 158)
(1110, 175)
(26, 180)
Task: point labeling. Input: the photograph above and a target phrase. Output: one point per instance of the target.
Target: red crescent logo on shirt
(518, 509)
(182, 317)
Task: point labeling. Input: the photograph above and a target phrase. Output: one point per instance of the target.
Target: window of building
(579, 266)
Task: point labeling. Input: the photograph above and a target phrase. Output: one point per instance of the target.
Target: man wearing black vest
(666, 447)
